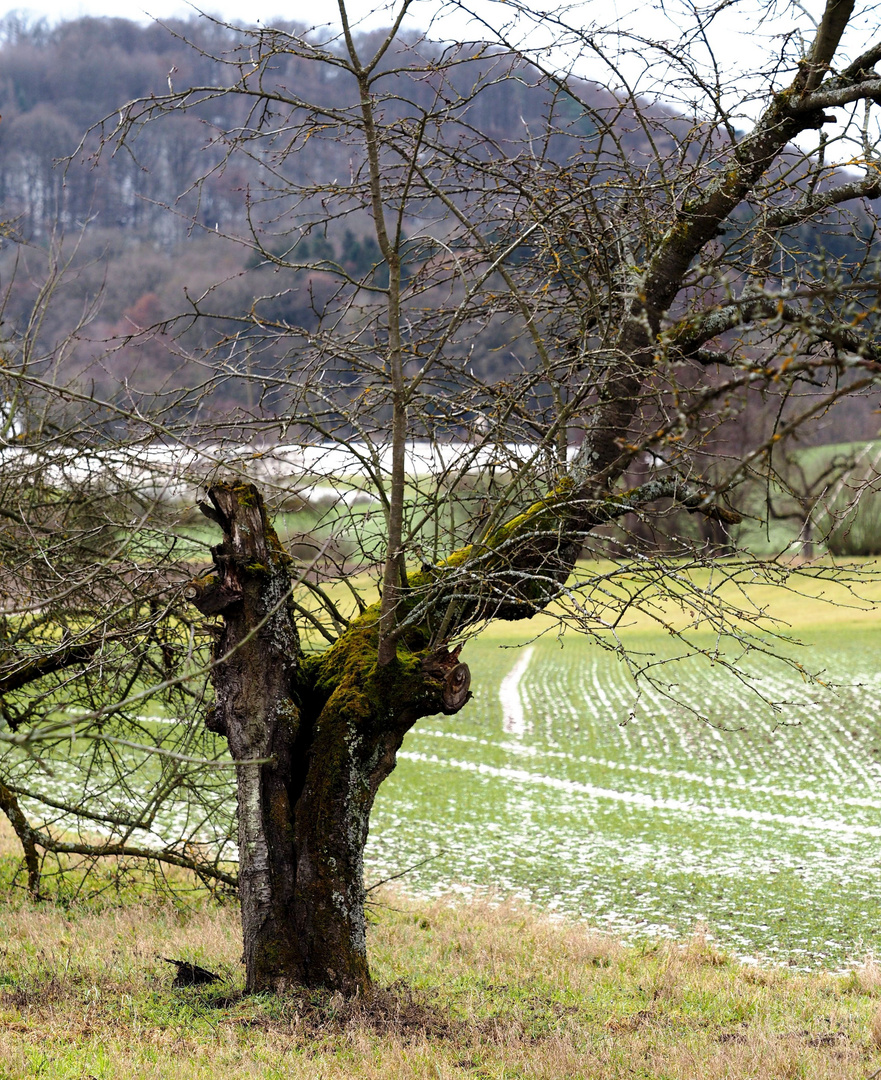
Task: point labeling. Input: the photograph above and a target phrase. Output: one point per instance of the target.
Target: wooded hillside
(135, 238)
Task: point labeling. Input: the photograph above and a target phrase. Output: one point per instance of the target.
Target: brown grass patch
(483, 990)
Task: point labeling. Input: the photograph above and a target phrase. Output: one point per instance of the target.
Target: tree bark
(313, 737)
(9, 805)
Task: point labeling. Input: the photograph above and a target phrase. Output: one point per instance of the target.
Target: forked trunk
(313, 738)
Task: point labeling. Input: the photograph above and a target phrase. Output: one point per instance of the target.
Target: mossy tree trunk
(314, 738)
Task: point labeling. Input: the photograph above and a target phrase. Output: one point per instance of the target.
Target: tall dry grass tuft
(866, 979)
(875, 1028)
(9, 845)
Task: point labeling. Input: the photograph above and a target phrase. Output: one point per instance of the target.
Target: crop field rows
(560, 784)
(565, 783)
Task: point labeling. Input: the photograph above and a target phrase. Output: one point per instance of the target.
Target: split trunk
(313, 737)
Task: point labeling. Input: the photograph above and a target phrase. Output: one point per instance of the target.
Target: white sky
(736, 30)
(742, 34)
(143, 10)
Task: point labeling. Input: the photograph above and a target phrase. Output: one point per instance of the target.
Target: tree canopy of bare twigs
(509, 321)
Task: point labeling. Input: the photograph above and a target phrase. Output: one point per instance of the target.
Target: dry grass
(477, 990)
(9, 846)
(866, 979)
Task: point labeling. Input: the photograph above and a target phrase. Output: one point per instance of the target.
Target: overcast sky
(737, 30)
(143, 10)
(742, 33)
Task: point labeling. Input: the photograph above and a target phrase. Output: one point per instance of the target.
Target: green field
(633, 813)
(648, 810)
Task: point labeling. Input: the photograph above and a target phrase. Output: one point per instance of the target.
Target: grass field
(492, 992)
(565, 784)
(701, 869)
(649, 815)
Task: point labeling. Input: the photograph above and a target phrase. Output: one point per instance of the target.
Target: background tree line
(136, 263)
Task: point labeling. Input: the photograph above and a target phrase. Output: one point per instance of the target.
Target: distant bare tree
(100, 667)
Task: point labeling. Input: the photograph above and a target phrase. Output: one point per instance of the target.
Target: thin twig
(402, 873)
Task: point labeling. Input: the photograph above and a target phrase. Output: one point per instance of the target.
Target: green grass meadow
(755, 816)
(468, 989)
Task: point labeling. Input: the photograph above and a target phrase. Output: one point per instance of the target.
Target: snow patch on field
(513, 717)
(842, 830)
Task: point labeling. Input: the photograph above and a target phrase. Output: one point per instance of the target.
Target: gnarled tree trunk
(313, 737)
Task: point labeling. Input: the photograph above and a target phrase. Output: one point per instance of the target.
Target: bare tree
(99, 664)
(566, 279)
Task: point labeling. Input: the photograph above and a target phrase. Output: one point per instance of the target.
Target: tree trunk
(9, 805)
(314, 738)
